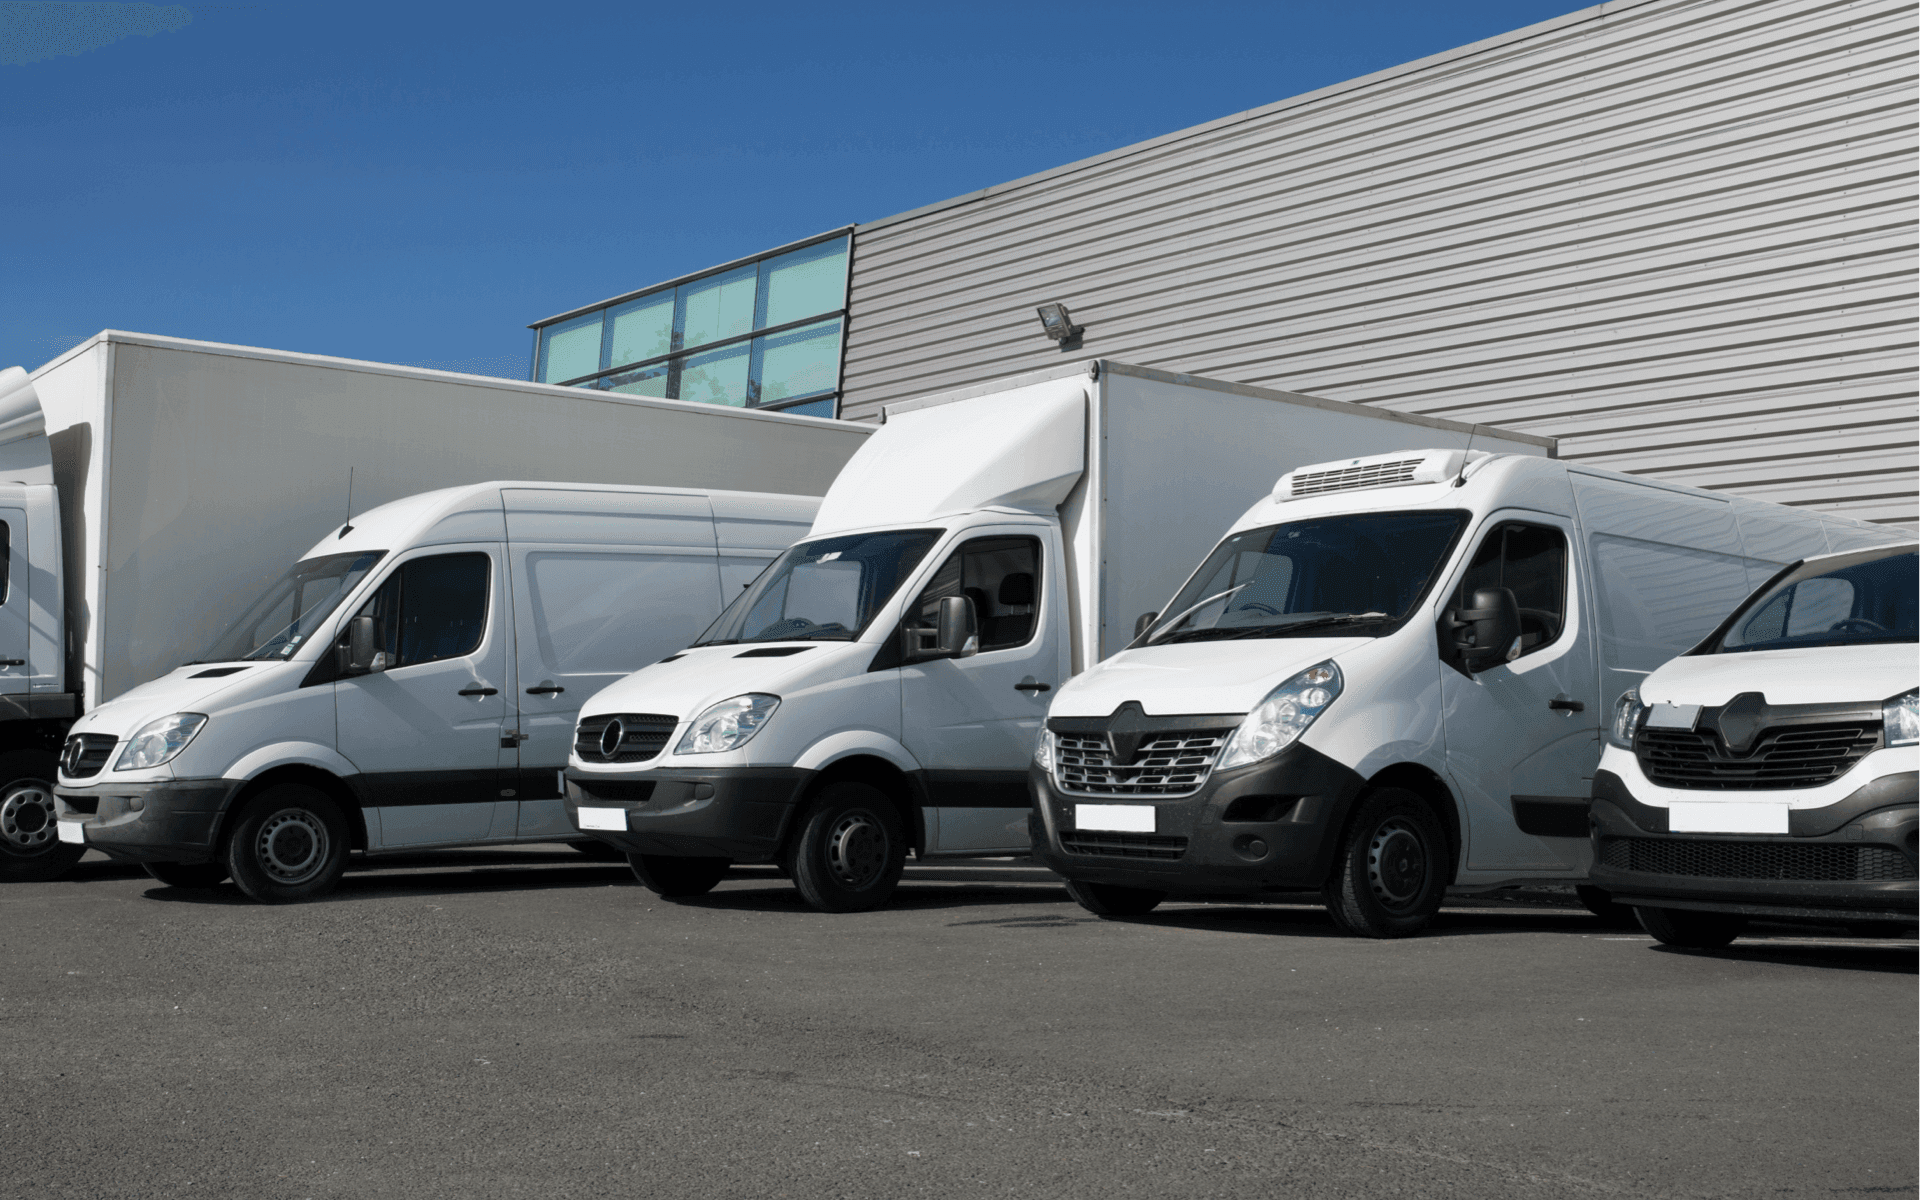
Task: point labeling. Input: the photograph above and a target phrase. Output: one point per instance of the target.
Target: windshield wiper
(1191, 609)
(1274, 629)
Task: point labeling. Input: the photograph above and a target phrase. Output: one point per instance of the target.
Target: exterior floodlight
(1059, 323)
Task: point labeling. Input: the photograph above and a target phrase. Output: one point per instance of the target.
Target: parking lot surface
(528, 1023)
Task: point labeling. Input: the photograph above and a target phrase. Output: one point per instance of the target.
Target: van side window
(1002, 576)
(431, 608)
(6, 560)
(1532, 561)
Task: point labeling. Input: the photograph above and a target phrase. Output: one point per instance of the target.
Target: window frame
(917, 616)
(1500, 527)
(397, 577)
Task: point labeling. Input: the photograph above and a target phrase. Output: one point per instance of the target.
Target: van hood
(1197, 677)
(1813, 675)
(184, 689)
(689, 681)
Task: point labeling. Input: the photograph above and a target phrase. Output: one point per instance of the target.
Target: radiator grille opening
(86, 753)
(1173, 764)
(1820, 862)
(642, 736)
(1123, 845)
(1786, 756)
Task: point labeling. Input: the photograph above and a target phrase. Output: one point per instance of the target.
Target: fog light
(1249, 847)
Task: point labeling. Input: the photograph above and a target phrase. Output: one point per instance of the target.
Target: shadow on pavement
(1892, 958)
(1301, 919)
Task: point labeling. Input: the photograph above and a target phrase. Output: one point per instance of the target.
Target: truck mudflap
(170, 820)
(741, 813)
(1856, 858)
(1271, 826)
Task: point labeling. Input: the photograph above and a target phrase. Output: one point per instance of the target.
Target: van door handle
(13, 662)
(1565, 704)
(479, 691)
(1029, 684)
(545, 689)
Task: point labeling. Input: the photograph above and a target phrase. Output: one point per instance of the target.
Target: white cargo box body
(191, 473)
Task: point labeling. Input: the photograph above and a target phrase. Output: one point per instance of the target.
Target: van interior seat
(1012, 622)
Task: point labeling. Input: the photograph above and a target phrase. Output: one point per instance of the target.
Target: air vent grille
(1364, 475)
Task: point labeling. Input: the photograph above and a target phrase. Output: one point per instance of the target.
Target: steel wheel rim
(29, 818)
(857, 849)
(292, 846)
(1396, 864)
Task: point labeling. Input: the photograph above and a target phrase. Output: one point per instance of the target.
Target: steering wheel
(1857, 625)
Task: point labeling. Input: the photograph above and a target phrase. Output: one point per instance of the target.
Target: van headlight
(1279, 720)
(159, 741)
(727, 725)
(1043, 750)
(1901, 719)
(1626, 719)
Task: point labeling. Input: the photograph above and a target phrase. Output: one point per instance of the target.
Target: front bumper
(1854, 860)
(1286, 817)
(741, 813)
(169, 820)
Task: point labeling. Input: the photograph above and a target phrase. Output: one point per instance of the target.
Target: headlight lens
(727, 725)
(1279, 720)
(1626, 718)
(1902, 718)
(1043, 749)
(159, 741)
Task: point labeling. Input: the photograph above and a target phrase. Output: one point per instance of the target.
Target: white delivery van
(1389, 678)
(412, 681)
(880, 687)
(1769, 771)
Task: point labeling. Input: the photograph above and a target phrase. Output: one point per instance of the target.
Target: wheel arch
(335, 787)
(876, 772)
(1425, 783)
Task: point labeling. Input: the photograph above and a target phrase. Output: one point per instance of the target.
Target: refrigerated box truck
(151, 487)
(881, 686)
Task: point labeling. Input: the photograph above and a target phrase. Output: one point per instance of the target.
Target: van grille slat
(1786, 756)
(1169, 765)
(86, 753)
(645, 737)
(1122, 845)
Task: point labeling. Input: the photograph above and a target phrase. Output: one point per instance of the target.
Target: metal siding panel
(1677, 235)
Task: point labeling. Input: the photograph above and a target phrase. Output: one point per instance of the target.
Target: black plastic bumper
(1869, 835)
(172, 820)
(739, 813)
(1286, 817)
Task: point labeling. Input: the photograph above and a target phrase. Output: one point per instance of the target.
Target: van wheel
(1112, 900)
(30, 845)
(189, 875)
(1391, 873)
(1685, 929)
(1601, 903)
(850, 850)
(289, 844)
(675, 878)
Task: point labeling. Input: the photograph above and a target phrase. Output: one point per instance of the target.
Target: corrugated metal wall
(1678, 235)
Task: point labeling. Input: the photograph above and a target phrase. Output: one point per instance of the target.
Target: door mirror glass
(1488, 633)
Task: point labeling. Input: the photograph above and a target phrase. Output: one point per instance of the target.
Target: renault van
(412, 682)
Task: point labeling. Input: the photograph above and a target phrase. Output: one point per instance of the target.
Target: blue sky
(415, 184)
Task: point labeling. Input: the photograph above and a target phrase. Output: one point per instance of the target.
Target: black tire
(189, 875)
(1686, 929)
(30, 845)
(599, 851)
(850, 849)
(1600, 903)
(1392, 868)
(288, 844)
(677, 878)
(1112, 900)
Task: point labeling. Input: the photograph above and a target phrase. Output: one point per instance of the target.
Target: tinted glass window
(1532, 561)
(289, 611)
(1001, 576)
(1862, 602)
(828, 589)
(431, 609)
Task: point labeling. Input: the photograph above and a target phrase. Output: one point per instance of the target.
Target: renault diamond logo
(611, 737)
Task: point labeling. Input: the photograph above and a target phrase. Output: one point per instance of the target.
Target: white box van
(880, 688)
(412, 681)
(1390, 678)
(1770, 771)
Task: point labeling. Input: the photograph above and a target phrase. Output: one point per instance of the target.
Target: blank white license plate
(1114, 818)
(603, 818)
(1731, 817)
(73, 831)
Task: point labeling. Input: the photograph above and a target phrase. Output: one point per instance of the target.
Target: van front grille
(1366, 475)
(1123, 845)
(1818, 862)
(1786, 756)
(642, 736)
(86, 753)
(1174, 764)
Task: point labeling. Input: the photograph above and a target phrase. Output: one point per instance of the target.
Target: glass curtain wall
(763, 335)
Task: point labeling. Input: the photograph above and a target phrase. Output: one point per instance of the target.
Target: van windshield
(289, 612)
(1871, 599)
(1361, 574)
(825, 590)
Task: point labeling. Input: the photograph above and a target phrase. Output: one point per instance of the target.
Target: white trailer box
(984, 546)
(157, 486)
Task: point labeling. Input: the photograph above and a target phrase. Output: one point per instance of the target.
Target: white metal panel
(1637, 224)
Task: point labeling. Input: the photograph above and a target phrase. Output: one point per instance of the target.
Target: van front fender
(850, 742)
(262, 759)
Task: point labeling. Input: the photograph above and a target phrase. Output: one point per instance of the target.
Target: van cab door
(16, 675)
(971, 721)
(604, 583)
(1522, 737)
(426, 729)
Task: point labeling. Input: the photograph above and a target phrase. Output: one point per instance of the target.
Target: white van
(1770, 771)
(1389, 678)
(413, 681)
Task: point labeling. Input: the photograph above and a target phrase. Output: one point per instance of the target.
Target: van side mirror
(953, 634)
(1488, 633)
(1144, 622)
(361, 652)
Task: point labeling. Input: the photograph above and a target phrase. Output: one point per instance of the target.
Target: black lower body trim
(173, 820)
(1551, 816)
(739, 813)
(975, 789)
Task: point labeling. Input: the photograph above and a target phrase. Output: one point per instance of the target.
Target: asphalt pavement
(524, 1022)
